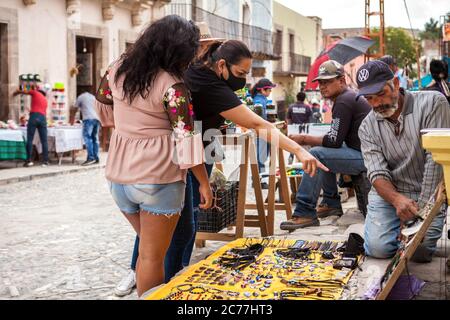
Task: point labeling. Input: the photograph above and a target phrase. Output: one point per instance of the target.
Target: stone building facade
(66, 41)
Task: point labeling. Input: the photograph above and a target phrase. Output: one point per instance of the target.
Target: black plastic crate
(214, 219)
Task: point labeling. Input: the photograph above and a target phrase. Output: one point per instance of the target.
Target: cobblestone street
(63, 238)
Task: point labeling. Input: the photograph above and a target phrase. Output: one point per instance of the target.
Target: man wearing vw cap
(403, 174)
(339, 150)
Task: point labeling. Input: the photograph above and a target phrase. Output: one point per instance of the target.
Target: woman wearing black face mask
(213, 80)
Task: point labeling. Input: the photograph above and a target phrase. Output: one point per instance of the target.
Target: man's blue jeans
(382, 228)
(342, 160)
(37, 121)
(90, 136)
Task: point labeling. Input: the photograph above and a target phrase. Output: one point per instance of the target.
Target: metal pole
(367, 27)
(382, 44)
(418, 64)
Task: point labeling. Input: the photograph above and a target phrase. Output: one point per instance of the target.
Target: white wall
(262, 16)
(307, 42)
(121, 21)
(91, 13)
(42, 38)
(230, 9)
(43, 34)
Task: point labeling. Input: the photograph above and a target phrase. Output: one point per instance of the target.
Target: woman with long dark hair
(154, 142)
(212, 80)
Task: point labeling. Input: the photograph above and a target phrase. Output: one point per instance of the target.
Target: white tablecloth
(61, 139)
(11, 135)
(314, 129)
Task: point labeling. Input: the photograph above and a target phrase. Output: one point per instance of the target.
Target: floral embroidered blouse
(177, 103)
(154, 140)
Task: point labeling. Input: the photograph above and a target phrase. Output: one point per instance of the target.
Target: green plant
(400, 45)
(431, 31)
(289, 96)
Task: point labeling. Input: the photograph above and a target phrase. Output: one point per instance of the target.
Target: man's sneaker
(45, 164)
(265, 182)
(264, 185)
(126, 285)
(97, 161)
(299, 222)
(324, 211)
(88, 162)
(28, 164)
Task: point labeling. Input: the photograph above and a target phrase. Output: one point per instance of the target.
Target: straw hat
(205, 33)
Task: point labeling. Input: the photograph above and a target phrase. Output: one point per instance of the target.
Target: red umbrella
(342, 51)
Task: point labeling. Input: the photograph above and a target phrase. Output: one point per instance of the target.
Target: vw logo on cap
(363, 75)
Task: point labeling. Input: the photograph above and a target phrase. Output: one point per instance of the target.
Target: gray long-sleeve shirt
(86, 103)
(394, 151)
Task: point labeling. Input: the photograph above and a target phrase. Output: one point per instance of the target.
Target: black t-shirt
(299, 113)
(210, 96)
(347, 115)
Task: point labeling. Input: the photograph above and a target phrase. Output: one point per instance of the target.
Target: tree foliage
(399, 44)
(431, 31)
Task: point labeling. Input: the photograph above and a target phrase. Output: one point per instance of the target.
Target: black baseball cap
(265, 84)
(388, 59)
(372, 77)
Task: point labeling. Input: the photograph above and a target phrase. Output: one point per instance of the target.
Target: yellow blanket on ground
(269, 277)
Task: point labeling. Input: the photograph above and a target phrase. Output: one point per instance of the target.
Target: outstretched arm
(244, 117)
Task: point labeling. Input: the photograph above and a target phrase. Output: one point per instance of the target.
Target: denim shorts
(158, 199)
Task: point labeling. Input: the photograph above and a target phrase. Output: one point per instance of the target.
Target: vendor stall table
(246, 141)
(262, 220)
(12, 145)
(313, 129)
(60, 140)
(276, 157)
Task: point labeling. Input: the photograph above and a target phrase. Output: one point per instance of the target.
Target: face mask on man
(235, 83)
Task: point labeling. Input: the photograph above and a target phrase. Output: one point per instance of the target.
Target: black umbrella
(345, 50)
(342, 51)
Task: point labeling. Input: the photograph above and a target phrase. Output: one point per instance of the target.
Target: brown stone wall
(10, 51)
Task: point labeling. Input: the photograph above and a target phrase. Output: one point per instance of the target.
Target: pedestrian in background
(316, 113)
(91, 125)
(260, 93)
(37, 121)
(299, 112)
(439, 73)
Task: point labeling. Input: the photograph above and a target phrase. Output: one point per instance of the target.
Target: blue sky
(350, 13)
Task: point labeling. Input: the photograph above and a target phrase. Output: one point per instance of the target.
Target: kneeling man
(403, 174)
